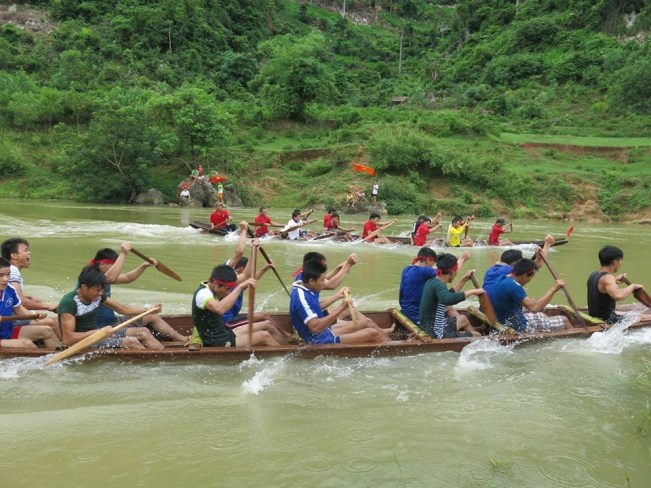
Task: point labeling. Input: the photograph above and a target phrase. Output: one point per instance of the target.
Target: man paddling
(110, 263)
(219, 220)
(13, 334)
(437, 316)
(79, 308)
(603, 289)
(306, 312)
(505, 265)
(509, 298)
(372, 225)
(17, 252)
(263, 221)
(232, 318)
(413, 279)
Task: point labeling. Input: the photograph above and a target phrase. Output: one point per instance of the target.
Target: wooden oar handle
(349, 302)
(141, 255)
(266, 258)
(640, 294)
(485, 302)
(13, 318)
(567, 294)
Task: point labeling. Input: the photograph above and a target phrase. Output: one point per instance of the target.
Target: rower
(509, 297)
(603, 289)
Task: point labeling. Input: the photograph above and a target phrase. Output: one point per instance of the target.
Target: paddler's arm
(538, 305)
(334, 279)
(318, 324)
(548, 243)
(69, 336)
(135, 273)
(124, 309)
(616, 293)
(305, 216)
(225, 304)
(113, 273)
(326, 302)
(464, 279)
(264, 269)
(239, 248)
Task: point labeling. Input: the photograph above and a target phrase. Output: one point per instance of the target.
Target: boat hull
(402, 345)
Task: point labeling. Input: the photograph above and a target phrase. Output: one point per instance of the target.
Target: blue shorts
(328, 338)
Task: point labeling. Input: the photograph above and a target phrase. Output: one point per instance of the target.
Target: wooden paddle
(13, 318)
(640, 294)
(159, 266)
(567, 294)
(96, 337)
(266, 258)
(377, 231)
(485, 302)
(349, 302)
(254, 255)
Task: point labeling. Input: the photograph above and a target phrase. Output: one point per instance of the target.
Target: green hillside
(523, 107)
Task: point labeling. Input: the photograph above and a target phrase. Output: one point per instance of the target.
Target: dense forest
(102, 100)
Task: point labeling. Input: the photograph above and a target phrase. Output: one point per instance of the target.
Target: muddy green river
(573, 413)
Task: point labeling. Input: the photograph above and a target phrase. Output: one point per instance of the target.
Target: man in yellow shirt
(456, 230)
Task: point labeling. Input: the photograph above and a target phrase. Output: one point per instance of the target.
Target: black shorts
(450, 330)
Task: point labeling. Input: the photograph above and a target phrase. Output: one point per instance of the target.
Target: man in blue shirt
(509, 297)
(306, 312)
(413, 281)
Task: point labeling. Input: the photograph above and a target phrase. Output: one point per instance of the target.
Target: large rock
(150, 197)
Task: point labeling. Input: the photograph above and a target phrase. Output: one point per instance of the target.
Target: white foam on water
(479, 354)
(617, 338)
(15, 368)
(265, 377)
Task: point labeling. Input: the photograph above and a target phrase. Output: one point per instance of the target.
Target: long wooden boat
(403, 341)
(480, 243)
(207, 228)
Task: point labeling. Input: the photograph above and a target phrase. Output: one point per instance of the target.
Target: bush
(11, 160)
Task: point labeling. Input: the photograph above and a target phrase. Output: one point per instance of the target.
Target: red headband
(101, 261)
(227, 284)
(440, 271)
(423, 258)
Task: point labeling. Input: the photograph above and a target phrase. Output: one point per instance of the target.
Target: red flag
(360, 168)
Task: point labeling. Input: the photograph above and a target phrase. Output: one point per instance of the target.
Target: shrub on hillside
(11, 160)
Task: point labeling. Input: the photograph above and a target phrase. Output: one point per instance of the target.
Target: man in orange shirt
(263, 218)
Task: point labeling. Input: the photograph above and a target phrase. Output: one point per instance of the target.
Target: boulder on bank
(203, 194)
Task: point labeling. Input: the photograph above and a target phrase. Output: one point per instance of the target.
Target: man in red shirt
(371, 226)
(494, 237)
(426, 226)
(219, 220)
(327, 220)
(263, 218)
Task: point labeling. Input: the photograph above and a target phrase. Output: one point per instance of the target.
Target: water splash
(263, 378)
(478, 355)
(615, 339)
(20, 367)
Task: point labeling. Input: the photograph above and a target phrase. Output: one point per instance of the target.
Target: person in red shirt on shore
(219, 220)
(371, 226)
(496, 231)
(426, 226)
(263, 218)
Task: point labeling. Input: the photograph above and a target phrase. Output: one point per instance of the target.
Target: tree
(294, 75)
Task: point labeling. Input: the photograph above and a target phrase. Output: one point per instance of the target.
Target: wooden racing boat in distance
(207, 228)
(403, 342)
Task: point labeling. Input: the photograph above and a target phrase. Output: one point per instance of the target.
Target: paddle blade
(569, 231)
(166, 271)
